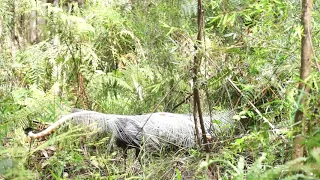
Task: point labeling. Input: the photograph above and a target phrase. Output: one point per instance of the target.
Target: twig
(256, 110)
(156, 107)
(182, 102)
(252, 105)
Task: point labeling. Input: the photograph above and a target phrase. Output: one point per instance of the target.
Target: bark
(32, 38)
(304, 89)
(198, 139)
(196, 66)
(13, 30)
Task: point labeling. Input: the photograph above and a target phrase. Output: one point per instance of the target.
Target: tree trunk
(196, 66)
(13, 30)
(32, 34)
(304, 89)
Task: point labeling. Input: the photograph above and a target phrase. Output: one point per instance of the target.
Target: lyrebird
(153, 131)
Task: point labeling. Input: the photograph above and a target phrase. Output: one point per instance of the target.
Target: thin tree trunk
(198, 139)
(13, 30)
(196, 66)
(33, 26)
(304, 89)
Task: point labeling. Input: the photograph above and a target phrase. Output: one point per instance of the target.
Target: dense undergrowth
(123, 58)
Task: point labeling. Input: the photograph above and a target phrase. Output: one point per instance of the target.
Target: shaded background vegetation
(128, 57)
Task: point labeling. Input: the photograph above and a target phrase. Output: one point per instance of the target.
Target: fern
(35, 105)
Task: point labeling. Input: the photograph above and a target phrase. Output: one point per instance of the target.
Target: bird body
(151, 130)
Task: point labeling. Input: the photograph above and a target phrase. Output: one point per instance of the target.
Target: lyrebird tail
(61, 121)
